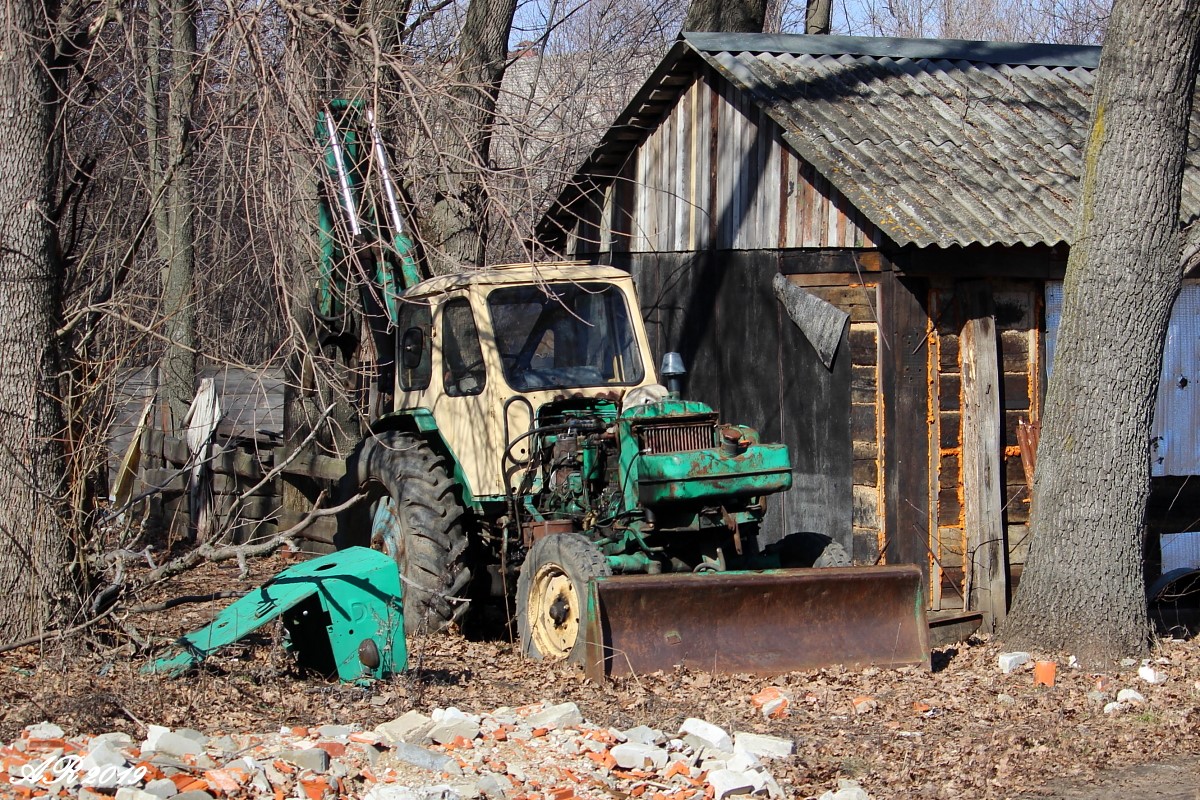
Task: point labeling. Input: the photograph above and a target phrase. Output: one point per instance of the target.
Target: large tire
(552, 595)
(413, 513)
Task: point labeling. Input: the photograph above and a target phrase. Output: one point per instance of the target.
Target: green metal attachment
(342, 612)
(352, 154)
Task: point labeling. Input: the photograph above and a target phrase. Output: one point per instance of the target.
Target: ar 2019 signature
(54, 769)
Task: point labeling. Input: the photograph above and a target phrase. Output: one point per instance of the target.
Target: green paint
(396, 269)
(712, 475)
(329, 606)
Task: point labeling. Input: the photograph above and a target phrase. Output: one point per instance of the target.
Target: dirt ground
(963, 730)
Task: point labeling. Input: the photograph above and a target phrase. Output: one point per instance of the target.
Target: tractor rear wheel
(552, 595)
(413, 514)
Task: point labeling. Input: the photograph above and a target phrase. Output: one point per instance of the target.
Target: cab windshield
(565, 335)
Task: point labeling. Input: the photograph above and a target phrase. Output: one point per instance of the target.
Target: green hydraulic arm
(359, 220)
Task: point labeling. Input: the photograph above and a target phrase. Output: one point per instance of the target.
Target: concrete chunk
(162, 788)
(335, 731)
(426, 759)
(173, 744)
(707, 734)
(635, 755)
(762, 746)
(1130, 697)
(411, 727)
(1150, 675)
(1010, 661)
(847, 790)
(563, 715)
(644, 735)
(44, 730)
(314, 759)
(118, 740)
(130, 793)
(726, 782)
(447, 731)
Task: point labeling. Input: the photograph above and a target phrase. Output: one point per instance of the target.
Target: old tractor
(531, 449)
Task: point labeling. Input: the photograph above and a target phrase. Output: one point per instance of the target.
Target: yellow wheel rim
(553, 612)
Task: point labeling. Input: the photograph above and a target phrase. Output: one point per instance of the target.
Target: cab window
(463, 371)
(414, 324)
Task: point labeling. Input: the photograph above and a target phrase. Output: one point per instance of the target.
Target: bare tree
(176, 239)
(1059, 21)
(1082, 590)
(455, 228)
(818, 16)
(36, 559)
(744, 16)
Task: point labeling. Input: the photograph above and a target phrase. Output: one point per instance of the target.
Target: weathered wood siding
(716, 172)
(857, 295)
(750, 362)
(251, 399)
(1017, 311)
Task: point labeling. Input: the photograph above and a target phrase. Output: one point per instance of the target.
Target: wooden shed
(924, 188)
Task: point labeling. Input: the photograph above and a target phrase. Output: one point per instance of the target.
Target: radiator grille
(678, 438)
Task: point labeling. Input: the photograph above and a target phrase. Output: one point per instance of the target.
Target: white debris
(705, 734)
(1010, 661)
(1130, 697)
(1150, 675)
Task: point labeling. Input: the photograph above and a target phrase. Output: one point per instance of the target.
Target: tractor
(530, 448)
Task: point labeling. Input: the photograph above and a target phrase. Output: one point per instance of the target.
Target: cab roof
(527, 273)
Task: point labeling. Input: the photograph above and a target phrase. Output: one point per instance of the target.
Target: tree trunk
(743, 16)
(455, 228)
(178, 248)
(1082, 590)
(818, 16)
(36, 572)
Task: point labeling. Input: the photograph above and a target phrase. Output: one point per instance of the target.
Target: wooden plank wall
(716, 172)
(750, 362)
(857, 295)
(904, 383)
(252, 400)
(1018, 311)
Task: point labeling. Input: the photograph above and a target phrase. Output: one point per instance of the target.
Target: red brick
(335, 749)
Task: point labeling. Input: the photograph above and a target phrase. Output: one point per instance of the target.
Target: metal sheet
(1175, 435)
(983, 147)
(764, 623)
(1176, 429)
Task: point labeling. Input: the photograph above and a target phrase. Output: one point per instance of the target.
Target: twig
(150, 608)
(41, 637)
(208, 553)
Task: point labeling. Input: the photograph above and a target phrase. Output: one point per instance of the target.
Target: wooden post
(987, 544)
(904, 378)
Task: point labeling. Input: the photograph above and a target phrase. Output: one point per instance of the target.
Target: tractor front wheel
(552, 595)
(413, 514)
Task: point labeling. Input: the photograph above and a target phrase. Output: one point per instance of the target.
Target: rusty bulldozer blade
(765, 623)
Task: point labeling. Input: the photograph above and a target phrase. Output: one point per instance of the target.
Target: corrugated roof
(937, 142)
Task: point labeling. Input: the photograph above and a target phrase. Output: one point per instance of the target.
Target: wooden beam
(311, 464)
(982, 475)
(1038, 262)
(852, 262)
(903, 377)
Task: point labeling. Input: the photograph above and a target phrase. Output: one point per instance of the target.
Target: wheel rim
(553, 612)
(386, 536)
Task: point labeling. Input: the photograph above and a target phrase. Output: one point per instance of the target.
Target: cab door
(466, 408)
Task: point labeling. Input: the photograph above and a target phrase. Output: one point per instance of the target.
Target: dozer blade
(764, 623)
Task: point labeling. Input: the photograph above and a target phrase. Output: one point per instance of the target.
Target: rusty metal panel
(764, 623)
(1175, 435)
